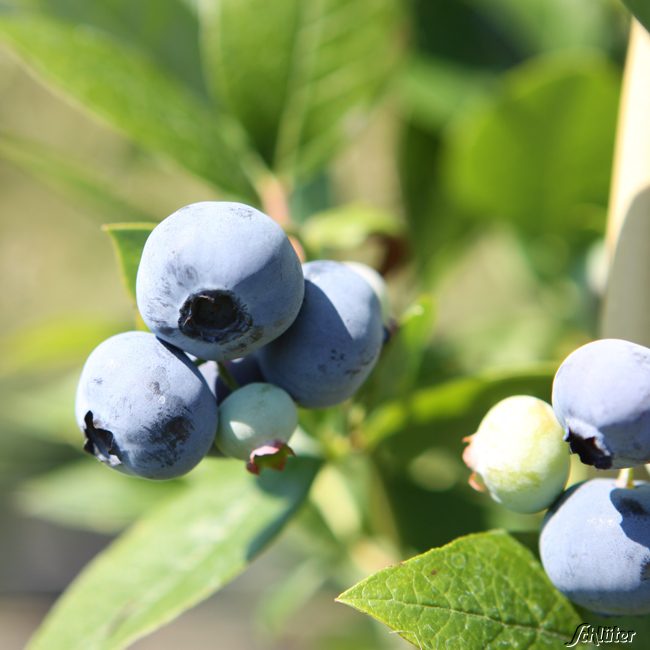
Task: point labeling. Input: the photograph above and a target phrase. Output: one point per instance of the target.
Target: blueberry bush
(385, 264)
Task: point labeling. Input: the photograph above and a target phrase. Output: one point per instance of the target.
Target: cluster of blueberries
(240, 332)
(595, 538)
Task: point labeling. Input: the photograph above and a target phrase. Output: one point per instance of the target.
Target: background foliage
(462, 147)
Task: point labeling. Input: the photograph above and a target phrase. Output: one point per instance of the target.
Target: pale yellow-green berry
(254, 417)
(519, 455)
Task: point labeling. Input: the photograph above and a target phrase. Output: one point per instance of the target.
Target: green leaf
(432, 90)
(182, 552)
(66, 177)
(479, 591)
(323, 65)
(53, 344)
(445, 413)
(108, 502)
(125, 89)
(347, 227)
(396, 372)
(45, 410)
(151, 26)
(283, 602)
(538, 153)
(641, 11)
(128, 241)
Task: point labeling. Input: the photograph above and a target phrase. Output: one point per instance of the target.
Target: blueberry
(244, 371)
(333, 344)
(144, 407)
(595, 546)
(218, 280)
(257, 419)
(210, 371)
(378, 285)
(518, 454)
(601, 396)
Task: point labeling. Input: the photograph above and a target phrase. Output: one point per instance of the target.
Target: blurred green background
(477, 173)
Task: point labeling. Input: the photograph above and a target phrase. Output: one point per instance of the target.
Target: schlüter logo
(599, 635)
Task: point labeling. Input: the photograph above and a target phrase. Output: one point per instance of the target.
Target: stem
(626, 308)
(625, 478)
(275, 200)
(226, 376)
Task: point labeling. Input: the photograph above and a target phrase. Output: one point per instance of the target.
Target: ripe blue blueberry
(256, 420)
(218, 280)
(601, 396)
(144, 407)
(378, 285)
(595, 546)
(333, 344)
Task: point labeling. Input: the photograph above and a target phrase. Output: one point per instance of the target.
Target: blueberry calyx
(211, 315)
(588, 450)
(101, 443)
(272, 454)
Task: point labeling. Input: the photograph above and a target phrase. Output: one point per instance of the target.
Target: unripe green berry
(519, 455)
(254, 417)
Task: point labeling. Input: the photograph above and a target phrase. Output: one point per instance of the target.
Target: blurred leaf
(396, 372)
(312, 532)
(66, 177)
(641, 11)
(539, 153)
(283, 602)
(126, 90)
(437, 230)
(324, 63)
(542, 25)
(165, 30)
(417, 509)
(52, 344)
(179, 554)
(44, 410)
(466, 595)
(434, 90)
(451, 410)
(21, 457)
(108, 502)
(128, 241)
(347, 227)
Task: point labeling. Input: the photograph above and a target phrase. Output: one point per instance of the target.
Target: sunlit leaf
(68, 178)
(445, 413)
(108, 502)
(538, 154)
(434, 90)
(176, 556)
(164, 30)
(53, 344)
(480, 591)
(347, 227)
(128, 241)
(323, 64)
(129, 92)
